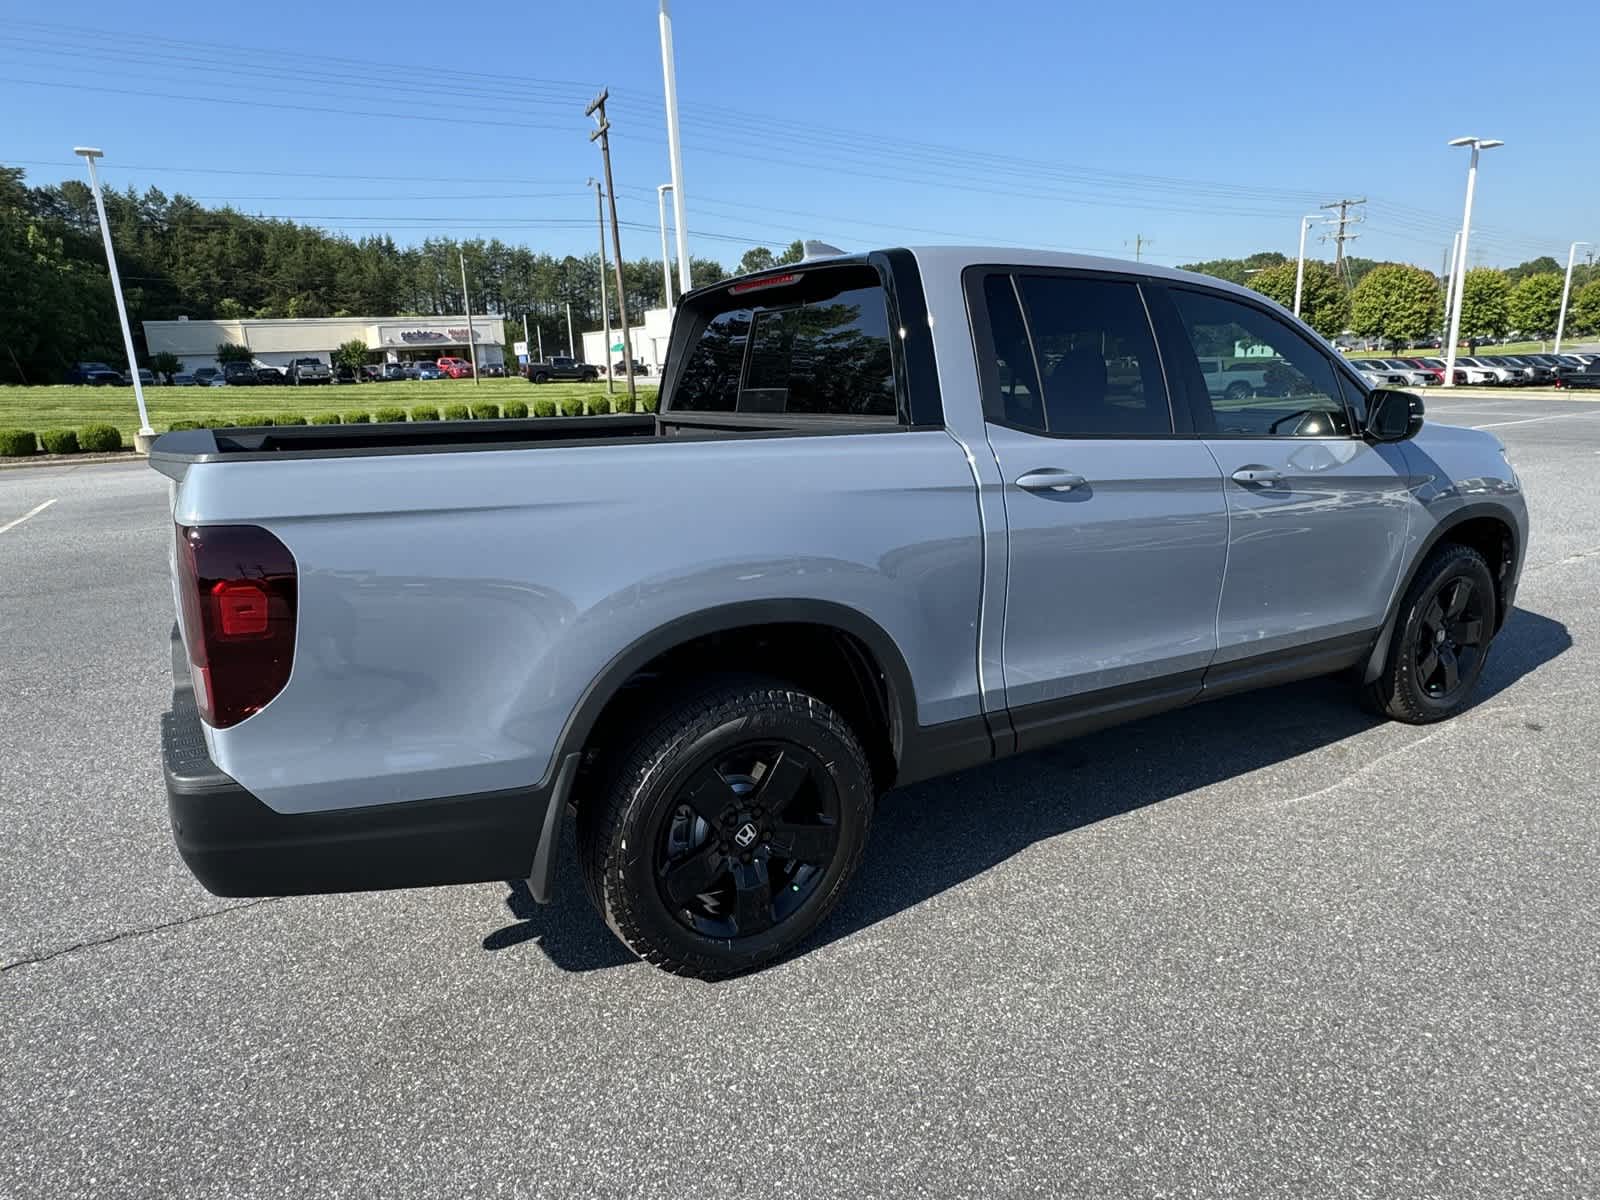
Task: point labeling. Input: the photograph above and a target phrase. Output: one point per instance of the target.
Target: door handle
(1257, 475)
(1050, 479)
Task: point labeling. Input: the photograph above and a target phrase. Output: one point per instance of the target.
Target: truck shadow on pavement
(934, 836)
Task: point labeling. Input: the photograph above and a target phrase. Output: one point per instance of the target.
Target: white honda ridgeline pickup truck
(900, 513)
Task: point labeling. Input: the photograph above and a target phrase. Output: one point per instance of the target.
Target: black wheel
(1441, 641)
(728, 829)
(541, 378)
(1237, 390)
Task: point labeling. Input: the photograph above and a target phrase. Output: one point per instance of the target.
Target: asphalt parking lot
(1264, 947)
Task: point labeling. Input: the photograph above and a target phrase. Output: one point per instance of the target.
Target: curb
(69, 460)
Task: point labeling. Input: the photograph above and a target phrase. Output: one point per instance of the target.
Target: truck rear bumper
(237, 846)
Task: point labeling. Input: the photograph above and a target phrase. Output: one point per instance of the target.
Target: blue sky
(1207, 130)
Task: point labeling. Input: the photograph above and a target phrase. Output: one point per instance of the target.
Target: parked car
(1530, 372)
(204, 375)
(814, 618)
(429, 370)
(1377, 376)
(344, 373)
(270, 376)
(620, 367)
(561, 368)
(1409, 376)
(455, 368)
(239, 374)
(147, 377)
(1504, 373)
(1468, 374)
(95, 374)
(1432, 367)
(398, 371)
(493, 371)
(184, 379)
(1587, 378)
(309, 370)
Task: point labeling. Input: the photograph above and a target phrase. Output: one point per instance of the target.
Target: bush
(648, 403)
(255, 419)
(324, 418)
(92, 438)
(356, 418)
(291, 419)
(485, 412)
(599, 406)
(544, 408)
(59, 441)
(389, 415)
(214, 422)
(424, 412)
(516, 410)
(572, 406)
(456, 412)
(622, 404)
(177, 425)
(14, 443)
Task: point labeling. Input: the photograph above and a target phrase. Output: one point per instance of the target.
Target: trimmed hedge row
(93, 439)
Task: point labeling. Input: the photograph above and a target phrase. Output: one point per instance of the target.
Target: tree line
(1399, 304)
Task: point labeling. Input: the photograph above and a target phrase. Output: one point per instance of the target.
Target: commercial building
(277, 343)
(649, 342)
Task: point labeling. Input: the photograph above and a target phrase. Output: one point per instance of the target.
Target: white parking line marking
(33, 513)
(1530, 420)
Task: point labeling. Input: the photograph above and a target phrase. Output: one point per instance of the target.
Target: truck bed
(173, 453)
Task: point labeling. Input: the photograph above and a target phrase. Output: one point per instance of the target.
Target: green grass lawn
(1509, 348)
(42, 408)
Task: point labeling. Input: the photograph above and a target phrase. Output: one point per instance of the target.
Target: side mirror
(1393, 416)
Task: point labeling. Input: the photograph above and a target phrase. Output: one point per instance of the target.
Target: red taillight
(755, 285)
(238, 589)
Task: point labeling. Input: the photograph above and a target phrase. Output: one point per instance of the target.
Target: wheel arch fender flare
(1439, 533)
(728, 618)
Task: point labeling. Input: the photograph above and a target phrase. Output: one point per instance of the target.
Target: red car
(456, 368)
(1435, 365)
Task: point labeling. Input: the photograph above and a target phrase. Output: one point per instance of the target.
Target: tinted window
(1287, 387)
(1092, 368)
(819, 346)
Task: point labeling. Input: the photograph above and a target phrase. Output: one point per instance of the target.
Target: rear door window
(817, 345)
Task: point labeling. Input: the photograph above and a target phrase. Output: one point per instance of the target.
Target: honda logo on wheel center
(746, 834)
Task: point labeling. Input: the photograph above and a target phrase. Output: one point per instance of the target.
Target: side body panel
(453, 612)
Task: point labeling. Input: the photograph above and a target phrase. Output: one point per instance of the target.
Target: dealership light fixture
(89, 154)
(1477, 144)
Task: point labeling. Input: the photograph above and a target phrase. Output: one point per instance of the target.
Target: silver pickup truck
(900, 513)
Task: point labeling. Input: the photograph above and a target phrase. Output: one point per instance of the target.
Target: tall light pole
(666, 264)
(1477, 144)
(1566, 291)
(1450, 284)
(605, 312)
(669, 79)
(1300, 270)
(472, 337)
(89, 154)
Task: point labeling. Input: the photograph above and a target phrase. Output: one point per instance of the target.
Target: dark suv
(95, 373)
(239, 374)
(561, 368)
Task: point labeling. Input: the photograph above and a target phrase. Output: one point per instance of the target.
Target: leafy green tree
(1584, 314)
(1238, 270)
(1484, 296)
(352, 354)
(166, 364)
(1396, 303)
(1543, 265)
(758, 258)
(1535, 304)
(229, 352)
(1323, 303)
(792, 253)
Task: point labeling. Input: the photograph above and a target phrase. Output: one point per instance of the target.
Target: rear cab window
(814, 342)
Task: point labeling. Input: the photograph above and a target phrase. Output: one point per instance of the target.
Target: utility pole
(527, 350)
(605, 311)
(597, 109)
(570, 352)
(539, 329)
(1339, 236)
(472, 337)
(1139, 243)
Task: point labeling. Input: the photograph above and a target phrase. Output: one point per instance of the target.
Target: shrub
(516, 410)
(622, 404)
(14, 443)
(99, 437)
(456, 412)
(177, 425)
(544, 408)
(485, 412)
(648, 403)
(424, 412)
(255, 419)
(387, 415)
(572, 406)
(324, 418)
(291, 419)
(356, 418)
(58, 441)
(214, 422)
(599, 406)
